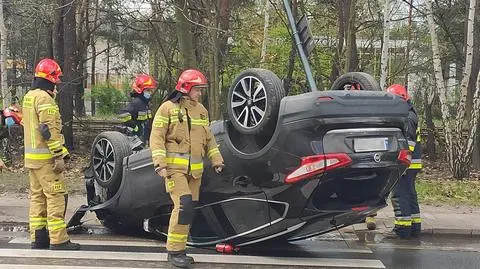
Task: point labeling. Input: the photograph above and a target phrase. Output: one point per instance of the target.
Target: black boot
(42, 241)
(416, 229)
(180, 259)
(65, 246)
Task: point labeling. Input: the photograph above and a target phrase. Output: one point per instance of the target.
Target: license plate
(370, 144)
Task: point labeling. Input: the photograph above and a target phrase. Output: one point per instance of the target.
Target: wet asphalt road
(334, 250)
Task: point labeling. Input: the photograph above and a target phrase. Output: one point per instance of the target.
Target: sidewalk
(447, 220)
(462, 220)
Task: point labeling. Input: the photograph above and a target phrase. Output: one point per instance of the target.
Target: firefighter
(137, 115)
(404, 196)
(44, 153)
(180, 138)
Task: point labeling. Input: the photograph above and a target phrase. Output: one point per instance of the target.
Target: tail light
(314, 165)
(405, 156)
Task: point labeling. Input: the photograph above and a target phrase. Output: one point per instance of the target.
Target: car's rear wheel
(254, 101)
(108, 151)
(356, 81)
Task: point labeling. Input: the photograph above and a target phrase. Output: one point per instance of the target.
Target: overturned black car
(296, 166)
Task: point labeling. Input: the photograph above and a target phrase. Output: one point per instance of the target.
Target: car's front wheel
(108, 151)
(356, 81)
(254, 101)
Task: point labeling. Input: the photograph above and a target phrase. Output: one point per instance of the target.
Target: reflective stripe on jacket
(138, 116)
(416, 152)
(181, 137)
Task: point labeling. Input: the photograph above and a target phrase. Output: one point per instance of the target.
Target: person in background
(137, 114)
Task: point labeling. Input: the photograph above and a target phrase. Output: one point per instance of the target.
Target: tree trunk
(342, 7)
(65, 96)
(266, 11)
(429, 96)
(351, 56)
(93, 74)
(58, 40)
(214, 92)
(49, 41)
(83, 35)
(94, 59)
(473, 82)
(440, 83)
(3, 59)
(409, 39)
(467, 69)
(287, 83)
(386, 44)
(184, 34)
(225, 9)
(107, 75)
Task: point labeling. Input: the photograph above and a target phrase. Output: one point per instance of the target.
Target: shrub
(108, 98)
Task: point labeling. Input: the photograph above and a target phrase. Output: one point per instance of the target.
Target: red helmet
(190, 78)
(49, 70)
(142, 82)
(399, 90)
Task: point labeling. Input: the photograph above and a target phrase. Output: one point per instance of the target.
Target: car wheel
(254, 101)
(108, 151)
(356, 81)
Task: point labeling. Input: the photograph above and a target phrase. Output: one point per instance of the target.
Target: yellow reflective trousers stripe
(177, 238)
(403, 222)
(56, 225)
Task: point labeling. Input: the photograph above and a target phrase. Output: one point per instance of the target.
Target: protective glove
(218, 169)
(162, 172)
(59, 165)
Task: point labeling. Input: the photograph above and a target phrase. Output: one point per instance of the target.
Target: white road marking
(199, 258)
(101, 242)
(34, 266)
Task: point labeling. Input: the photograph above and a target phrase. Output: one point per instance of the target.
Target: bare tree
(459, 148)
(65, 96)
(266, 11)
(386, 44)
(3, 58)
(351, 55)
(184, 33)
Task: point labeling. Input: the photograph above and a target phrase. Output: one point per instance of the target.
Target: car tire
(108, 151)
(359, 80)
(254, 100)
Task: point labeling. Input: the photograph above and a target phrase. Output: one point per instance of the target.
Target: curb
(361, 228)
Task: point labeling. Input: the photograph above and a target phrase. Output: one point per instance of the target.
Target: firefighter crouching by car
(137, 114)
(44, 153)
(180, 138)
(404, 196)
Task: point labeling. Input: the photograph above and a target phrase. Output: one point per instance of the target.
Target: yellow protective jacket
(42, 126)
(181, 137)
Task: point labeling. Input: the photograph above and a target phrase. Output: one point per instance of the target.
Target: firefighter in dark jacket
(44, 154)
(404, 197)
(180, 138)
(137, 114)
